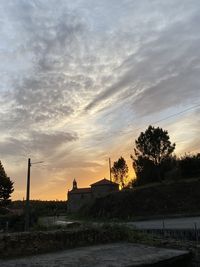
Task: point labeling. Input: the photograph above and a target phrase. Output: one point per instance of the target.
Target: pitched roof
(80, 191)
(104, 182)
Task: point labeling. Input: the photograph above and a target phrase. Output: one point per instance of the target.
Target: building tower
(74, 184)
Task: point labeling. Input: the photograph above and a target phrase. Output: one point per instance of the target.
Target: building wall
(103, 190)
(79, 199)
(76, 201)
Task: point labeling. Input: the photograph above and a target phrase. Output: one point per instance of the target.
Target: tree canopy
(153, 151)
(120, 171)
(154, 144)
(6, 186)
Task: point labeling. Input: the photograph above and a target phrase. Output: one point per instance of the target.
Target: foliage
(4, 211)
(145, 170)
(15, 223)
(159, 199)
(154, 144)
(120, 171)
(42, 208)
(6, 186)
(152, 155)
(189, 165)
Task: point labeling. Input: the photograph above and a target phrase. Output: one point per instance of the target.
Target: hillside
(156, 200)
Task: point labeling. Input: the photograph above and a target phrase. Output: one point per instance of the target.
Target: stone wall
(27, 243)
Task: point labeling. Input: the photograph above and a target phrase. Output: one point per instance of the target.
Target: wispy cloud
(78, 78)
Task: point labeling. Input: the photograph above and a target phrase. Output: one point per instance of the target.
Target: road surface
(115, 255)
(175, 223)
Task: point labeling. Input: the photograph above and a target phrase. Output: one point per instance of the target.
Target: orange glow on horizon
(59, 191)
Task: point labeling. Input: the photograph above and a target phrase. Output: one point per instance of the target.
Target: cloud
(36, 143)
(167, 58)
(77, 77)
(50, 41)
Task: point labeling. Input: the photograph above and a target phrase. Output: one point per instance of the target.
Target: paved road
(175, 223)
(115, 255)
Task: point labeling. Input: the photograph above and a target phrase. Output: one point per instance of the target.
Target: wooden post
(196, 232)
(163, 224)
(27, 207)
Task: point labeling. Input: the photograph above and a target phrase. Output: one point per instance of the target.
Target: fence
(179, 234)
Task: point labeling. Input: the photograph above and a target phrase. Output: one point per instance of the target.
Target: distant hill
(154, 200)
(41, 207)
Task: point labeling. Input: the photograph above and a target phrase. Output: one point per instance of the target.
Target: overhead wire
(122, 132)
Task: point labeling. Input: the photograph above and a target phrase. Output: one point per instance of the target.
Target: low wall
(27, 243)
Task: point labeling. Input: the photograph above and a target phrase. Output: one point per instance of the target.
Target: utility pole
(27, 207)
(110, 169)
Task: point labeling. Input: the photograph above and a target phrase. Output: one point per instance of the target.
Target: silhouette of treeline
(188, 166)
(41, 207)
(160, 199)
(165, 184)
(153, 160)
(174, 168)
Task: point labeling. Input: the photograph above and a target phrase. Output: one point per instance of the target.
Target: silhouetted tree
(120, 171)
(152, 154)
(6, 186)
(145, 170)
(189, 165)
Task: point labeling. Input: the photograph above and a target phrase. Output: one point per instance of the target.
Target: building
(78, 197)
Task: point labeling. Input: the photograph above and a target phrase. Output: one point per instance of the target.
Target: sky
(81, 79)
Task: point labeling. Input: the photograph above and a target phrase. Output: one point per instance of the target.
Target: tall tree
(6, 186)
(120, 171)
(153, 149)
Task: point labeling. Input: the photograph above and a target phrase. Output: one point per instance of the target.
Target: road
(175, 223)
(116, 255)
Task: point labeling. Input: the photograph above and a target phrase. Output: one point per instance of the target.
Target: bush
(42, 208)
(189, 165)
(15, 223)
(4, 211)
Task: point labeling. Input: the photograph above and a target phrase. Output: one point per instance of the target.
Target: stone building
(78, 197)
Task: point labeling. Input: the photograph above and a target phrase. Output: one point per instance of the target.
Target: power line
(163, 119)
(122, 133)
(26, 149)
(173, 115)
(176, 114)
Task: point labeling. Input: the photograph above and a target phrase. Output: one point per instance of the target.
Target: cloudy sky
(81, 79)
